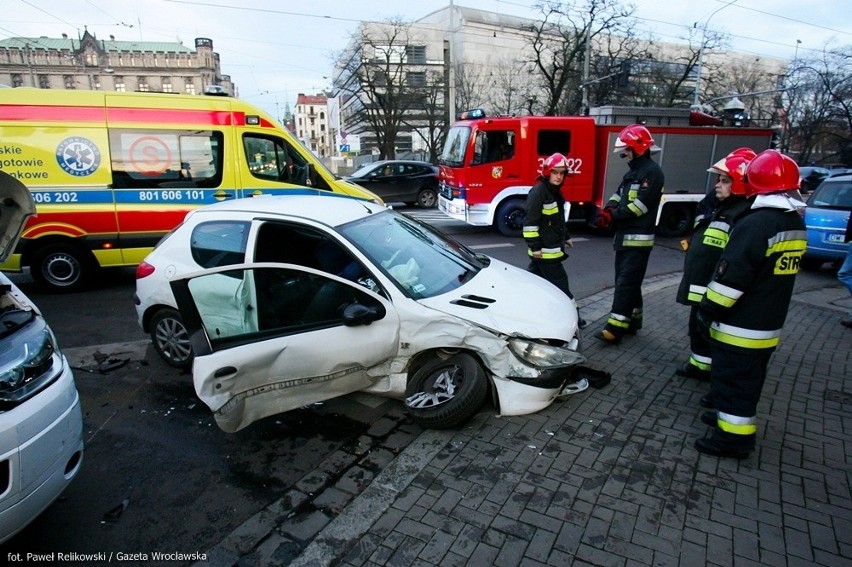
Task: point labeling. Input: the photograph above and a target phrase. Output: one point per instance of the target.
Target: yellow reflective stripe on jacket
(736, 424)
(722, 295)
(638, 240)
(789, 241)
(550, 208)
(616, 198)
(716, 235)
(638, 208)
(551, 253)
(745, 338)
(696, 293)
(531, 231)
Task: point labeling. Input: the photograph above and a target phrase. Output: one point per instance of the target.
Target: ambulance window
(151, 159)
(553, 141)
(274, 159)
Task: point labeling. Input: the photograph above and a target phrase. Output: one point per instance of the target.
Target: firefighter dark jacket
(634, 204)
(544, 222)
(752, 285)
(709, 238)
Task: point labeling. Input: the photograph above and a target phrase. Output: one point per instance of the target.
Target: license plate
(838, 238)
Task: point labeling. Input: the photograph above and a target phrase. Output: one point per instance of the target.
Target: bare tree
(471, 86)
(559, 42)
(818, 114)
(510, 86)
(426, 117)
(380, 77)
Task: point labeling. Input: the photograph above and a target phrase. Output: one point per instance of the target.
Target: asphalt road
(158, 475)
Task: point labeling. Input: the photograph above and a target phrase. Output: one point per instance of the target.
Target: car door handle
(224, 371)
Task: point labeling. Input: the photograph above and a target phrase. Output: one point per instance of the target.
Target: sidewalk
(610, 476)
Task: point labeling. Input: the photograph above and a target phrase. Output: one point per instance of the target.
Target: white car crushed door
(316, 337)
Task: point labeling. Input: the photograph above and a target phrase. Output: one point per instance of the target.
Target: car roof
(330, 209)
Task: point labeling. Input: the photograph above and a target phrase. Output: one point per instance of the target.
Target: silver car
(41, 425)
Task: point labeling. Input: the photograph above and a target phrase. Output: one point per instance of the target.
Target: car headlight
(26, 366)
(544, 355)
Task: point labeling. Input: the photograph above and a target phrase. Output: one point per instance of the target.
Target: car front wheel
(446, 392)
(170, 338)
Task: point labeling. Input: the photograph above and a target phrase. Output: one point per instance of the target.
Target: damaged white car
(311, 297)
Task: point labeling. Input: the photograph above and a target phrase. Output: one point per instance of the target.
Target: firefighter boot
(709, 418)
(688, 370)
(726, 445)
(609, 337)
(706, 401)
(635, 322)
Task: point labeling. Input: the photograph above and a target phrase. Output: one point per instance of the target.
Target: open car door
(269, 338)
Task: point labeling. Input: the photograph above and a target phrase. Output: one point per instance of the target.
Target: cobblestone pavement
(603, 477)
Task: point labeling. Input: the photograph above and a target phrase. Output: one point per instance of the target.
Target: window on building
(43, 82)
(91, 59)
(96, 83)
(17, 80)
(415, 54)
(143, 85)
(416, 79)
(70, 82)
(189, 86)
(322, 115)
(120, 87)
(167, 85)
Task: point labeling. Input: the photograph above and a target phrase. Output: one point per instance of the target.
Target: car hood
(16, 205)
(511, 301)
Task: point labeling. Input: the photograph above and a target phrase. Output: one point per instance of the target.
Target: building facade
(312, 122)
(88, 63)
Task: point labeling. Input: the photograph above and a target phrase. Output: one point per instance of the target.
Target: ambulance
(112, 172)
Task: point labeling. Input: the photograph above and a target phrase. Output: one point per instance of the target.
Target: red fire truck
(489, 163)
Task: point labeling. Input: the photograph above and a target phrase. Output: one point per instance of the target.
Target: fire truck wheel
(446, 392)
(63, 267)
(676, 220)
(510, 217)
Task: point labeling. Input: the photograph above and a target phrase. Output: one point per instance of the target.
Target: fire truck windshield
(454, 146)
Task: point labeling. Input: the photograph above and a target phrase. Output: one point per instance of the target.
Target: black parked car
(412, 182)
(812, 176)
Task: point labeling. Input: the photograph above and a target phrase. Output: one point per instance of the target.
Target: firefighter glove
(704, 320)
(604, 219)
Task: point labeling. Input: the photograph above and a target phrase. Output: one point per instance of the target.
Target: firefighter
(746, 302)
(632, 210)
(709, 237)
(545, 231)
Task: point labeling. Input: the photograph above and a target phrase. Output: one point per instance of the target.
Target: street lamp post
(697, 98)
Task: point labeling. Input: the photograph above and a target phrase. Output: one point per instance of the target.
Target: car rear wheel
(170, 338)
(446, 392)
(427, 198)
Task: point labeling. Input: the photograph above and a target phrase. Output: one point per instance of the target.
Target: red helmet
(734, 165)
(771, 172)
(554, 161)
(635, 137)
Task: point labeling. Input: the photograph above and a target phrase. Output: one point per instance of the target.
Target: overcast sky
(275, 49)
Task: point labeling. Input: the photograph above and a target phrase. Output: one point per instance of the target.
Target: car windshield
(454, 146)
(422, 261)
(833, 194)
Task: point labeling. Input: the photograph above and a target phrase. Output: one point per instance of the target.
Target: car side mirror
(356, 314)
